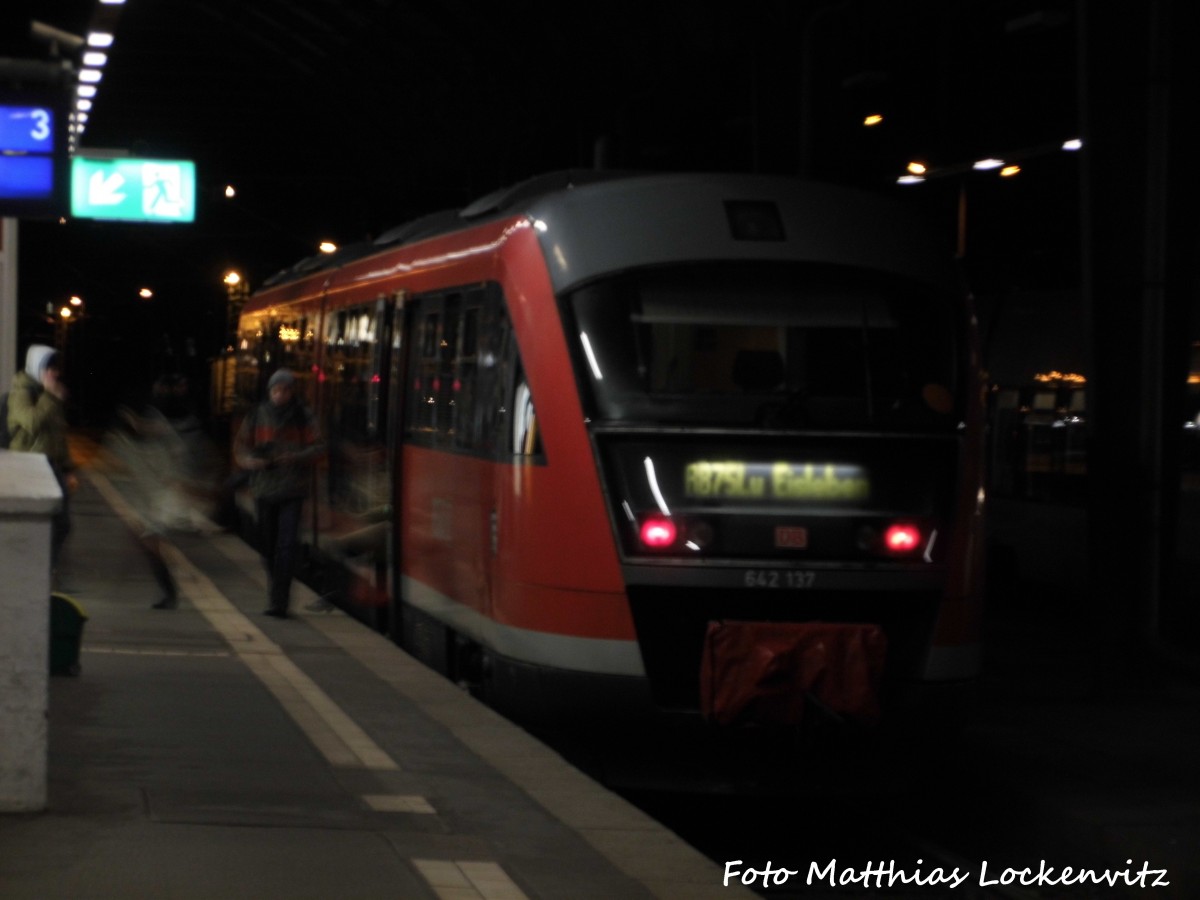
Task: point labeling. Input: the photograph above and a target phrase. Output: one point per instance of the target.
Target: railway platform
(211, 752)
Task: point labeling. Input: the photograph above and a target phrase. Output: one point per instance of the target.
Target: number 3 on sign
(779, 578)
(41, 125)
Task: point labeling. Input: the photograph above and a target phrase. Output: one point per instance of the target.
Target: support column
(29, 496)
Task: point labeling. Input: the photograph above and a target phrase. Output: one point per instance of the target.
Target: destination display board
(32, 157)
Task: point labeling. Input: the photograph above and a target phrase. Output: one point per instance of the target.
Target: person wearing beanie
(277, 443)
(281, 377)
(37, 423)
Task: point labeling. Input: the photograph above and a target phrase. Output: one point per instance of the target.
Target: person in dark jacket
(37, 423)
(278, 443)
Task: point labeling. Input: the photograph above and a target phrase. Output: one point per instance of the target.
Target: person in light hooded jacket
(37, 423)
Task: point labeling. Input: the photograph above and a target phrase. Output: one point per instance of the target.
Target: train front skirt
(779, 673)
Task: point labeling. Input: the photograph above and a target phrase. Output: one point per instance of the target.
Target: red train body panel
(579, 425)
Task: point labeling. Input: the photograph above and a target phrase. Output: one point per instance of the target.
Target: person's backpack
(5, 437)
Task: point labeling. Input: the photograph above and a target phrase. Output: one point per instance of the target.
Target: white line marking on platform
(131, 651)
(468, 880)
(332, 732)
(398, 803)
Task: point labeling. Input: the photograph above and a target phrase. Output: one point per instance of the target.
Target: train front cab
(788, 445)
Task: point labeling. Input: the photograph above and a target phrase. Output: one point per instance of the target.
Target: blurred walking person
(173, 467)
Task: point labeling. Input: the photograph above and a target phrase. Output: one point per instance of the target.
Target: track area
(917, 828)
(1000, 810)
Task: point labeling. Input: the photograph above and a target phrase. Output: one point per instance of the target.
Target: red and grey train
(649, 445)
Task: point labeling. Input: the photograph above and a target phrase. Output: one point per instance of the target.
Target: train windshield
(774, 347)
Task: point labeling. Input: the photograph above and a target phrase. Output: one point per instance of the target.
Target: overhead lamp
(232, 278)
(83, 105)
(95, 58)
(873, 119)
(230, 191)
(984, 165)
(1009, 171)
(90, 76)
(910, 179)
(327, 247)
(99, 39)
(76, 300)
(145, 293)
(1073, 144)
(917, 168)
(112, 2)
(86, 90)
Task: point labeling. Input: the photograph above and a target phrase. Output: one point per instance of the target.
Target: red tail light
(902, 538)
(658, 532)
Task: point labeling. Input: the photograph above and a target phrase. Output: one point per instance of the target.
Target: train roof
(596, 225)
(497, 203)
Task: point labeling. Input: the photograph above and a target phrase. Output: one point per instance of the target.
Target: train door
(354, 492)
(446, 501)
(395, 396)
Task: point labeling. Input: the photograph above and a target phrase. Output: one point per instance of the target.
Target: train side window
(350, 352)
(433, 388)
(448, 386)
(466, 424)
(464, 374)
(422, 404)
(355, 477)
(493, 374)
(250, 350)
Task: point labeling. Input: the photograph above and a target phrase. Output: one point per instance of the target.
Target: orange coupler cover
(767, 672)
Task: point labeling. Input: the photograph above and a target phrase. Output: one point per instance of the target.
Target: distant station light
(917, 168)
(327, 247)
(230, 193)
(1009, 171)
(873, 119)
(1073, 144)
(146, 294)
(910, 179)
(984, 165)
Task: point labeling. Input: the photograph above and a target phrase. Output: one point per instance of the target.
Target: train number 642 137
(779, 578)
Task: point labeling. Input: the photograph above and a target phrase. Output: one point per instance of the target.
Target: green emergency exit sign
(133, 190)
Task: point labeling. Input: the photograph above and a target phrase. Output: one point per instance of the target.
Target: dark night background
(337, 120)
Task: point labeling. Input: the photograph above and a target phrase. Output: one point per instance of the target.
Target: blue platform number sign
(27, 152)
(136, 190)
